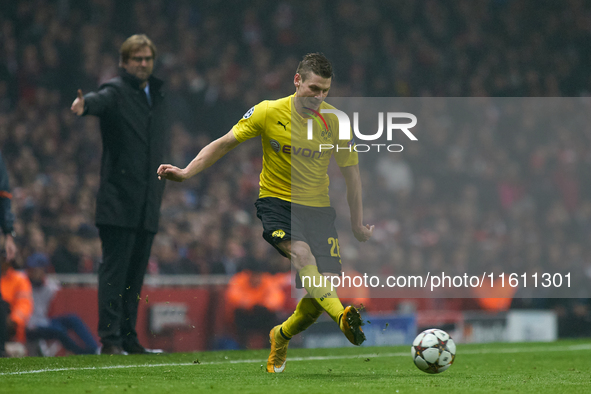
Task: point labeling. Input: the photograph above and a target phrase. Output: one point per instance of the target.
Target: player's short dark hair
(316, 63)
(134, 44)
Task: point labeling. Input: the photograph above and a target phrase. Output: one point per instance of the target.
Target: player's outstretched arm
(353, 180)
(206, 157)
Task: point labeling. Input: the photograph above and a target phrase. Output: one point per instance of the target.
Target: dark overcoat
(135, 143)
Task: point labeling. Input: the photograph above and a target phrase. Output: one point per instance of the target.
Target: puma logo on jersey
(278, 234)
(284, 125)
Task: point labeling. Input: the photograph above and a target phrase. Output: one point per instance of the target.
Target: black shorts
(283, 221)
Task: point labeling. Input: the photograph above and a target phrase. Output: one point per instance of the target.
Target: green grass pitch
(561, 367)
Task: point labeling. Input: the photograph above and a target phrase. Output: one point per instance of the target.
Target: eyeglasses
(140, 58)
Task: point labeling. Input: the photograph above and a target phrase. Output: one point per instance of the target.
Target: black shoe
(113, 349)
(136, 348)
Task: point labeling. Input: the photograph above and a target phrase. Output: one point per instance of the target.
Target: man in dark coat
(133, 125)
(6, 222)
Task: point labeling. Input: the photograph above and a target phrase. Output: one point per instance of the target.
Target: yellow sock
(319, 288)
(303, 317)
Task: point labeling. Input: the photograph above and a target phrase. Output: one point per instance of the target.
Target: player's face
(314, 89)
(140, 63)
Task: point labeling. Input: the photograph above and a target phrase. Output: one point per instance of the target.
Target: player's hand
(78, 104)
(363, 233)
(172, 173)
(10, 247)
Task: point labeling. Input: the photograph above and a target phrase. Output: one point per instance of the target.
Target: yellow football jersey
(294, 167)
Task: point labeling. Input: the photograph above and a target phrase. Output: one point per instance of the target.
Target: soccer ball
(433, 351)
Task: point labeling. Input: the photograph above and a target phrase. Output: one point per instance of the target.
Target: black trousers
(121, 276)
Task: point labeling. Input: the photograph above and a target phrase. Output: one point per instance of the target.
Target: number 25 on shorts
(335, 250)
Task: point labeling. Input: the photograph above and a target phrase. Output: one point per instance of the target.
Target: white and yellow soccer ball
(433, 351)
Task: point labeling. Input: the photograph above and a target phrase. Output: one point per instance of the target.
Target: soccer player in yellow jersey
(293, 203)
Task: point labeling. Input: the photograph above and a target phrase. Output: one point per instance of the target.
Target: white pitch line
(311, 358)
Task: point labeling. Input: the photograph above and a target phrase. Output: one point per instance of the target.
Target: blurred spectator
(18, 296)
(41, 326)
(254, 299)
(395, 173)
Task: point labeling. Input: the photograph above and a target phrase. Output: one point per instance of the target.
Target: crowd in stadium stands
(462, 196)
